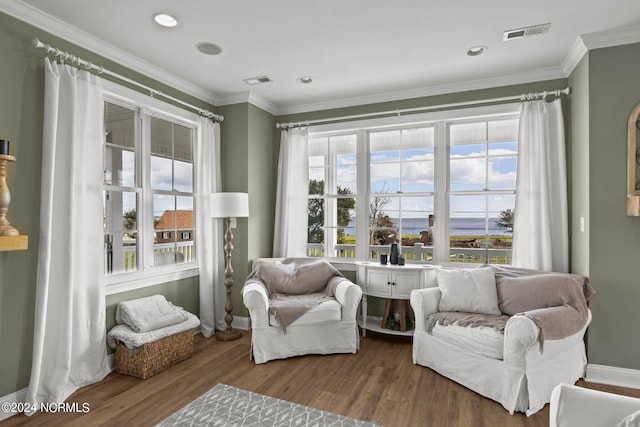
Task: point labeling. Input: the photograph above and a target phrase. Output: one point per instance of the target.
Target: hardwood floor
(379, 383)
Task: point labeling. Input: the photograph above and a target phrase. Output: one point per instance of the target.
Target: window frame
(147, 106)
(441, 121)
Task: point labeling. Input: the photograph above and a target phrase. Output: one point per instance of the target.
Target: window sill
(116, 285)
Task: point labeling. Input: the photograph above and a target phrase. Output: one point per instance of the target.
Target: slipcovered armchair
(577, 406)
(509, 334)
(300, 306)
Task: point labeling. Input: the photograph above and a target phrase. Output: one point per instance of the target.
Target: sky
(412, 171)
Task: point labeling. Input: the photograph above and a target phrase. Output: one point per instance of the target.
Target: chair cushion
(483, 341)
(328, 311)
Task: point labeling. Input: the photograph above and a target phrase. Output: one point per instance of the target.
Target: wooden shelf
(14, 243)
(374, 324)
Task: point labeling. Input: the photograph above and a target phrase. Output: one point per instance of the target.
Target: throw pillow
(468, 290)
(525, 293)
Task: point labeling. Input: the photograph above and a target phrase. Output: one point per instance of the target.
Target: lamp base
(228, 335)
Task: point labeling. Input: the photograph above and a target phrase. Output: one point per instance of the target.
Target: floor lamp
(229, 205)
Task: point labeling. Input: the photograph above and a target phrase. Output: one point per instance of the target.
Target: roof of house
(180, 219)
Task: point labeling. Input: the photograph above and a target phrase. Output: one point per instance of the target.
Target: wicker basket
(153, 357)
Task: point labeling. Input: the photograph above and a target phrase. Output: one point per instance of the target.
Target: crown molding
(250, 97)
(617, 37)
(575, 55)
(541, 74)
(59, 28)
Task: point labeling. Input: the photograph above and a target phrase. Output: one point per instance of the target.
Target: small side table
(395, 283)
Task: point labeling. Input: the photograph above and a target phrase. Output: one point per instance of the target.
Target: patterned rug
(228, 406)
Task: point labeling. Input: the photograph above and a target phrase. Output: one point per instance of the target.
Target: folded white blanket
(133, 339)
(148, 314)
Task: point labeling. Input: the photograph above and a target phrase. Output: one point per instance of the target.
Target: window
(482, 184)
(149, 189)
(401, 182)
(332, 194)
(443, 188)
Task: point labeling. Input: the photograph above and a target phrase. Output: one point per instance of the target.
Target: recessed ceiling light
(305, 79)
(165, 19)
(476, 50)
(209, 48)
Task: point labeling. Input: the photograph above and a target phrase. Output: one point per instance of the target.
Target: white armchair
(330, 327)
(578, 406)
(509, 367)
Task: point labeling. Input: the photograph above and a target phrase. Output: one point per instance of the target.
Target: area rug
(229, 406)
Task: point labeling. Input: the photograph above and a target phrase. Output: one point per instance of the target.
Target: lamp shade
(229, 205)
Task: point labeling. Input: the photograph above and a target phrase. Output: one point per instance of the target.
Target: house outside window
(148, 191)
(443, 188)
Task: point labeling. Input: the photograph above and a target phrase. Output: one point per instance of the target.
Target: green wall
(249, 164)
(21, 111)
(578, 148)
(614, 250)
(429, 100)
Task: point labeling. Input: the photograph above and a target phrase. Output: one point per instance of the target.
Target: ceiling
(356, 51)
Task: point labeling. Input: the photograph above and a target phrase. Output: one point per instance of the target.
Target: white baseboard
(612, 375)
(16, 397)
(241, 322)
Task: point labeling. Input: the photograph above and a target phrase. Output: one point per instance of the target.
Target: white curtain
(541, 236)
(69, 343)
(209, 230)
(290, 230)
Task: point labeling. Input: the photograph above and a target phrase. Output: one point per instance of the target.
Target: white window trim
(441, 198)
(124, 282)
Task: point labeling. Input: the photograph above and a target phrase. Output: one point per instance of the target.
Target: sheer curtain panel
(540, 230)
(290, 230)
(69, 349)
(209, 230)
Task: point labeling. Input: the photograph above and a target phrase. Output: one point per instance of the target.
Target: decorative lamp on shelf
(229, 205)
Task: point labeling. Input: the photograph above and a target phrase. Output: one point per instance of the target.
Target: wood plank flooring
(379, 383)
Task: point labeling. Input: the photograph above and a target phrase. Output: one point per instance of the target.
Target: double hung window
(148, 191)
(442, 188)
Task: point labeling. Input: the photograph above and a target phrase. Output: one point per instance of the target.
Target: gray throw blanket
(295, 286)
(472, 320)
(555, 302)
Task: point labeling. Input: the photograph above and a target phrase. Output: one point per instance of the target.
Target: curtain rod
(66, 56)
(523, 97)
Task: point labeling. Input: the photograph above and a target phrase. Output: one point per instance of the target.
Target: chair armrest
(256, 299)
(577, 406)
(424, 302)
(520, 334)
(348, 294)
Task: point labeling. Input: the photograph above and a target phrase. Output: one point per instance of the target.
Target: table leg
(387, 311)
(403, 315)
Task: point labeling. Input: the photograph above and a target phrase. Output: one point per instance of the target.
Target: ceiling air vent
(526, 32)
(257, 80)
